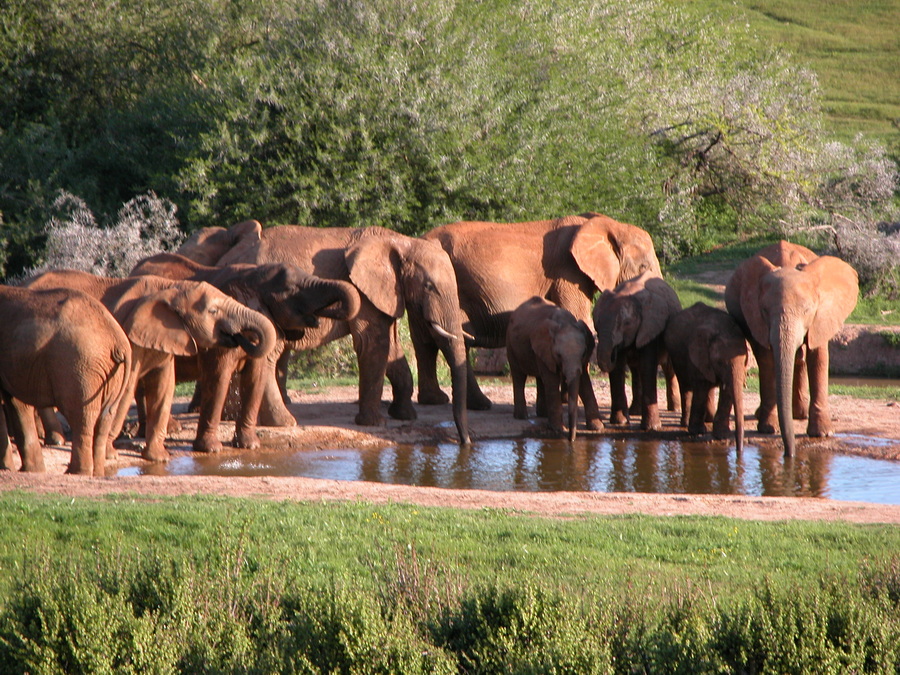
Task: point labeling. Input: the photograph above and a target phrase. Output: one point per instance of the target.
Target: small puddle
(538, 465)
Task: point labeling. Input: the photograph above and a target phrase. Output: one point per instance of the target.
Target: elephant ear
(542, 340)
(752, 273)
(374, 265)
(700, 352)
(151, 322)
(658, 303)
(595, 254)
(838, 286)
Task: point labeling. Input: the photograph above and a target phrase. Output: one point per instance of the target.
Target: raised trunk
(338, 300)
(784, 348)
(249, 329)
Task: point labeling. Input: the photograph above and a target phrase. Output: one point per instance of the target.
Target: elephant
(393, 273)
(790, 302)
(547, 342)
(61, 348)
(292, 299)
(630, 320)
(164, 319)
(707, 349)
(501, 265)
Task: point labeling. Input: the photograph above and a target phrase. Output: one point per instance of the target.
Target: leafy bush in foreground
(152, 614)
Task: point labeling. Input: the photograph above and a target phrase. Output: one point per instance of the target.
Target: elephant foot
(722, 433)
(433, 397)
(595, 424)
(155, 453)
(819, 429)
(650, 425)
(476, 400)
(207, 443)
(54, 438)
(520, 414)
(765, 428)
(280, 417)
(402, 410)
(618, 417)
(634, 409)
(368, 418)
(173, 426)
(246, 438)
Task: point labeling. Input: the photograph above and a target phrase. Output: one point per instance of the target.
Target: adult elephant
(164, 319)
(501, 265)
(292, 299)
(60, 348)
(393, 273)
(790, 303)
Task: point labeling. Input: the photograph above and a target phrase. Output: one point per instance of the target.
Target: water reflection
(605, 465)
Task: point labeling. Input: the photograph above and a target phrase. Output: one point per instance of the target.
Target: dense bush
(407, 115)
(158, 614)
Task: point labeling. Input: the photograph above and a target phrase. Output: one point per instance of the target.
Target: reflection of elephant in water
(707, 349)
(790, 303)
(501, 265)
(164, 319)
(60, 348)
(393, 273)
(549, 343)
(291, 298)
(630, 321)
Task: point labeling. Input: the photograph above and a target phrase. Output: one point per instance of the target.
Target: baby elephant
(549, 343)
(708, 349)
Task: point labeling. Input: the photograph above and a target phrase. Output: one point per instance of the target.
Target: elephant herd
(236, 302)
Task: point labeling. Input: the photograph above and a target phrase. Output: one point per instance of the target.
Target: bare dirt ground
(325, 420)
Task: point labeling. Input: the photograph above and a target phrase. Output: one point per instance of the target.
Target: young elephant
(549, 343)
(630, 321)
(707, 349)
(60, 348)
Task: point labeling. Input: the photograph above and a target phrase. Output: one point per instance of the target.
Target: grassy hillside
(854, 48)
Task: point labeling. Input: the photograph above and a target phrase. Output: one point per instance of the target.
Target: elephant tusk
(468, 336)
(437, 328)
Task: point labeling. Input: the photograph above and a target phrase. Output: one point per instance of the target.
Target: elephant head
(786, 307)
(396, 274)
(183, 317)
(632, 315)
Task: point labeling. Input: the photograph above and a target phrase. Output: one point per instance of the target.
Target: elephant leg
(619, 405)
(475, 398)
(649, 364)
(550, 386)
(214, 390)
(819, 411)
(159, 391)
(635, 407)
(540, 403)
(687, 400)
(273, 410)
(430, 392)
(673, 394)
(697, 421)
(800, 400)
(25, 433)
(722, 419)
(589, 401)
(6, 451)
(53, 431)
(253, 374)
(520, 407)
(766, 412)
(400, 376)
(372, 354)
(194, 403)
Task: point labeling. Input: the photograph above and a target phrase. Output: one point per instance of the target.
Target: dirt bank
(326, 416)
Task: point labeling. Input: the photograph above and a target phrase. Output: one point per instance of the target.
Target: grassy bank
(230, 585)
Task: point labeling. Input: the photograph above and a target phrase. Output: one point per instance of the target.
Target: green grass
(852, 47)
(355, 542)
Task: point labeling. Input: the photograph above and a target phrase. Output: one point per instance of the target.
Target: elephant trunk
(736, 382)
(454, 351)
(339, 300)
(248, 329)
(573, 382)
(784, 347)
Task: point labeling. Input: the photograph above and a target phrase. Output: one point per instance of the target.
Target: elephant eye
(429, 286)
(213, 310)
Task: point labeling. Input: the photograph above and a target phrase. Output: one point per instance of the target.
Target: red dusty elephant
(790, 303)
(501, 265)
(393, 274)
(60, 348)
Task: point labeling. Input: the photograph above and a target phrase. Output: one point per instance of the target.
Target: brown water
(606, 465)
